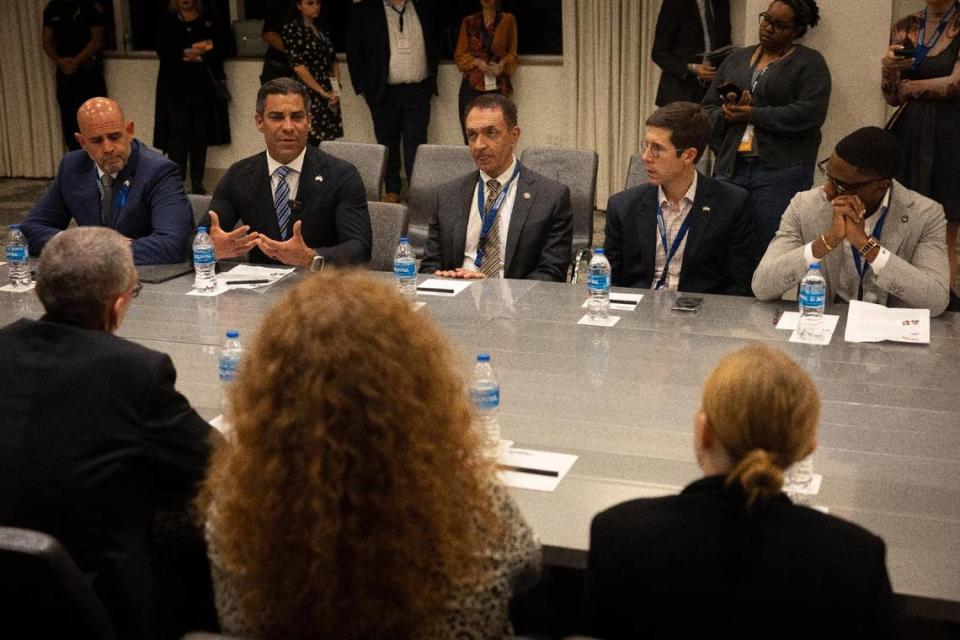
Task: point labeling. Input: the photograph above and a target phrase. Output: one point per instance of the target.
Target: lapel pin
(526, 195)
(904, 219)
(319, 178)
(706, 210)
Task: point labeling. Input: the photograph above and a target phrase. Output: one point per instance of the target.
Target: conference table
(623, 399)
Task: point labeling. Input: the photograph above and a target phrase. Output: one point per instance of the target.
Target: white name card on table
(609, 321)
(12, 289)
(867, 322)
(442, 287)
(245, 276)
(791, 319)
(621, 301)
(536, 470)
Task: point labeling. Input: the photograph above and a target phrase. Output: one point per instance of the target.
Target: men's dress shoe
(391, 197)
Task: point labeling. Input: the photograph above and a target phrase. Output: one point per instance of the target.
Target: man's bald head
(104, 133)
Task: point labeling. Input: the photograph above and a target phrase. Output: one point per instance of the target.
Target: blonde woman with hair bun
(731, 553)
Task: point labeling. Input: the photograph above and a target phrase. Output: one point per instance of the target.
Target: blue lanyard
(487, 217)
(923, 48)
(669, 253)
(863, 266)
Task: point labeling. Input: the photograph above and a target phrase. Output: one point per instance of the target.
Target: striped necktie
(492, 261)
(282, 202)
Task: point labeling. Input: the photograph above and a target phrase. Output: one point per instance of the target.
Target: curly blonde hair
(352, 497)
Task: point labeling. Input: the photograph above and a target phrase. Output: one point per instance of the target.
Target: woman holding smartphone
(312, 57)
(767, 117)
(921, 76)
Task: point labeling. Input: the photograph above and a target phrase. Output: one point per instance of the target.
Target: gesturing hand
(293, 251)
(232, 244)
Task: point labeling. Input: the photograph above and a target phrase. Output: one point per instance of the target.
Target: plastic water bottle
(598, 286)
(485, 393)
(405, 269)
(230, 356)
(18, 258)
(812, 299)
(204, 261)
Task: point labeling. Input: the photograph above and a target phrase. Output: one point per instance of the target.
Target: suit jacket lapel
(518, 217)
(898, 215)
(699, 221)
(127, 175)
(460, 217)
(647, 234)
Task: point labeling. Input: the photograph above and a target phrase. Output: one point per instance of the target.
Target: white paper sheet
(790, 319)
(633, 298)
(811, 488)
(220, 424)
(609, 322)
(867, 322)
(244, 272)
(536, 470)
(451, 287)
(12, 289)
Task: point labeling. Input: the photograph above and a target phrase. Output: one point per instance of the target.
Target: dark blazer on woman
(678, 41)
(789, 106)
(697, 563)
(716, 256)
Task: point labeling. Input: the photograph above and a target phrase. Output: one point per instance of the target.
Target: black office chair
(43, 594)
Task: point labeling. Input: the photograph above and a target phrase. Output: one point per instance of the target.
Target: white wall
(539, 94)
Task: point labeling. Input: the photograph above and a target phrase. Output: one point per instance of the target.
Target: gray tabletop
(623, 400)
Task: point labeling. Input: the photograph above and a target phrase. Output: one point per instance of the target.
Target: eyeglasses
(841, 186)
(765, 20)
(657, 150)
(136, 289)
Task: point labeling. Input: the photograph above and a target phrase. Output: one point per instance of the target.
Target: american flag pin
(526, 195)
(319, 178)
(706, 210)
(904, 219)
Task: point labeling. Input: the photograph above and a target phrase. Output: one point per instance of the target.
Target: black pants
(73, 91)
(179, 150)
(403, 112)
(468, 93)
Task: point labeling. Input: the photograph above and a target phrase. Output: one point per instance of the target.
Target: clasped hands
(197, 50)
(461, 274)
(293, 251)
(494, 69)
(737, 110)
(849, 214)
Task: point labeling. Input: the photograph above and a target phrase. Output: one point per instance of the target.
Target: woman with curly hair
(352, 499)
(731, 555)
(767, 103)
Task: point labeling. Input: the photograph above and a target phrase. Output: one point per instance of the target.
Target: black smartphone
(906, 52)
(727, 88)
(687, 303)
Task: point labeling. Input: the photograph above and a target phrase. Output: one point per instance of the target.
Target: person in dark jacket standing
(191, 104)
(686, 29)
(393, 54)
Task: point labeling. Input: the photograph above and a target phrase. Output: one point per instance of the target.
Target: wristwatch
(868, 246)
(316, 266)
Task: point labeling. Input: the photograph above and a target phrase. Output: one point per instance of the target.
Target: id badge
(746, 142)
(403, 43)
(489, 82)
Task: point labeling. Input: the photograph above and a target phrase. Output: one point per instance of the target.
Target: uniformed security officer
(73, 34)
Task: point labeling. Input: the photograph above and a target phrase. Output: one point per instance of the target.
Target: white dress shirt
(293, 178)
(475, 224)
(673, 217)
(408, 51)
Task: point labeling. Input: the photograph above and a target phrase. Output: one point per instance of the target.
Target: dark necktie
(106, 202)
(711, 22)
(282, 202)
(492, 262)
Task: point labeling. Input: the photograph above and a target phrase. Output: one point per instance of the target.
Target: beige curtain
(30, 141)
(611, 79)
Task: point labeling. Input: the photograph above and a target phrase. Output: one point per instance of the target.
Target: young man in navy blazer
(115, 182)
(682, 230)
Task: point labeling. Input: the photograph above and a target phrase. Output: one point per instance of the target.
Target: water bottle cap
(815, 265)
(404, 240)
(201, 229)
(233, 333)
(14, 227)
(598, 251)
(483, 357)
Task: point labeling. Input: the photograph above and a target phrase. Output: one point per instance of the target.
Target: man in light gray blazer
(876, 240)
(505, 220)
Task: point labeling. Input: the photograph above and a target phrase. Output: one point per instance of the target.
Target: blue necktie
(282, 202)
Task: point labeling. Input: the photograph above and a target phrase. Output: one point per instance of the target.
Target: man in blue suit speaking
(117, 182)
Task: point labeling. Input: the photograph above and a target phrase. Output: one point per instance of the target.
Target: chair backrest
(43, 592)
(436, 164)
(369, 159)
(388, 223)
(576, 168)
(637, 172)
(200, 206)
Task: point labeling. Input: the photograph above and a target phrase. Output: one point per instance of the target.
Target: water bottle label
(203, 256)
(486, 399)
(405, 269)
(600, 281)
(811, 298)
(16, 254)
(228, 369)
